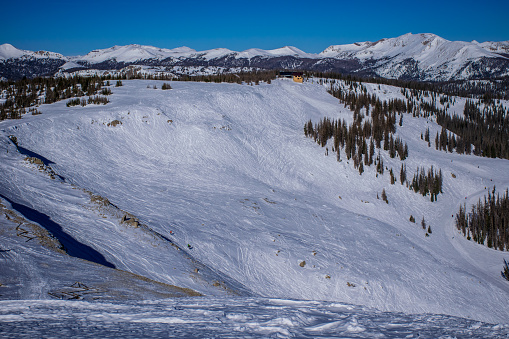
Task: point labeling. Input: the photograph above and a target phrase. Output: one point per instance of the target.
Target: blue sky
(73, 28)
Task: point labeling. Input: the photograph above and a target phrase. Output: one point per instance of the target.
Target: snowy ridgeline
(227, 169)
(410, 56)
(228, 318)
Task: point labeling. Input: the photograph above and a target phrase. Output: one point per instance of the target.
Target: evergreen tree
(505, 272)
(402, 174)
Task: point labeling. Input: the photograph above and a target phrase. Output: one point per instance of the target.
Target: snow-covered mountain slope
(227, 169)
(423, 56)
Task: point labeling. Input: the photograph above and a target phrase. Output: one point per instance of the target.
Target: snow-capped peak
(8, 51)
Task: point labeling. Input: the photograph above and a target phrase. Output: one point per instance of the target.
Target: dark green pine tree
(402, 174)
(505, 272)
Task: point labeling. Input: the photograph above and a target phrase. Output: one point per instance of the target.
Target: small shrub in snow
(98, 100)
(106, 91)
(73, 102)
(384, 196)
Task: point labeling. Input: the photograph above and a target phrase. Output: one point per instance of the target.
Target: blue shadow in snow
(72, 246)
(29, 153)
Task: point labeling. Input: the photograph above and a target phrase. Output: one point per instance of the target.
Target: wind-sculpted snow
(228, 318)
(227, 170)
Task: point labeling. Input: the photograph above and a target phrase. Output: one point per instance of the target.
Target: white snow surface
(228, 318)
(227, 169)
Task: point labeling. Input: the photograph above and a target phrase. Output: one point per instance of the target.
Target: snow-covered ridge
(133, 53)
(422, 56)
(7, 51)
(425, 56)
(494, 46)
(424, 46)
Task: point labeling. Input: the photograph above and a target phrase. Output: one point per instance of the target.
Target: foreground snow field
(226, 168)
(228, 318)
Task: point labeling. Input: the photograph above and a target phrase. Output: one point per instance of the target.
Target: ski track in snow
(227, 169)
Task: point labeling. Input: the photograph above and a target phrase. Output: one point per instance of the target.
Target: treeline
(91, 100)
(27, 93)
(354, 141)
(254, 77)
(488, 221)
(361, 140)
(23, 94)
(490, 89)
(484, 125)
(354, 138)
(486, 128)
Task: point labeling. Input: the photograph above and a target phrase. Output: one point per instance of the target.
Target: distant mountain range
(425, 57)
